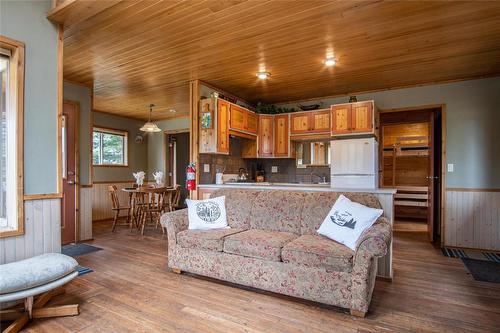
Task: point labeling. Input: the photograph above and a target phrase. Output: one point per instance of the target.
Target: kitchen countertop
(296, 187)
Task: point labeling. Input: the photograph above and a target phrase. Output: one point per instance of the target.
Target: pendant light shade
(149, 126)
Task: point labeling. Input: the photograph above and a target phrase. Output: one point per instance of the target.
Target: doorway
(70, 163)
(177, 159)
(411, 159)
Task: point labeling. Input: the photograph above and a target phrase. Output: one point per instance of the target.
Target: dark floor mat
(74, 250)
(486, 271)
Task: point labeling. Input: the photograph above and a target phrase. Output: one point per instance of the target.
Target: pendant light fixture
(150, 127)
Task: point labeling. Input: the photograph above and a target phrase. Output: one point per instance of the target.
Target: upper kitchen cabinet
(311, 122)
(353, 118)
(243, 120)
(265, 138)
(214, 126)
(281, 136)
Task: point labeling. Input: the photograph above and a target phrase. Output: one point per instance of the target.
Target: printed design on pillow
(343, 219)
(208, 211)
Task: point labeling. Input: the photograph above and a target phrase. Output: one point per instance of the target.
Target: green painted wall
(472, 125)
(137, 153)
(25, 21)
(82, 95)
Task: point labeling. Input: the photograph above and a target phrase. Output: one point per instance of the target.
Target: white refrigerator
(354, 163)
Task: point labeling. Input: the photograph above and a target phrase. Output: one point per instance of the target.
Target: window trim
(116, 131)
(16, 92)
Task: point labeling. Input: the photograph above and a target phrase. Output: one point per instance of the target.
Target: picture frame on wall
(206, 118)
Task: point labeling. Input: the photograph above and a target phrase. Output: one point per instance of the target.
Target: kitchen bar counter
(295, 187)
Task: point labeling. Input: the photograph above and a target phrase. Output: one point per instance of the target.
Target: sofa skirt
(311, 283)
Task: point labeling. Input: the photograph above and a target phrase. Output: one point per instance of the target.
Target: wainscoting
(85, 213)
(42, 232)
(101, 202)
(472, 219)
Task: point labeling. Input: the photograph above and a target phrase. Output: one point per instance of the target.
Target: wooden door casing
(69, 205)
(341, 119)
(222, 126)
(281, 136)
(362, 117)
(266, 136)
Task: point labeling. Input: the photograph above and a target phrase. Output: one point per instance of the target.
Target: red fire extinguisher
(191, 177)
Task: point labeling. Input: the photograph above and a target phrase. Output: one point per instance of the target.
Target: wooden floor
(410, 225)
(131, 290)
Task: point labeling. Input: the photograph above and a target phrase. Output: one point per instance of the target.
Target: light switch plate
(206, 167)
(450, 167)
(274, 169)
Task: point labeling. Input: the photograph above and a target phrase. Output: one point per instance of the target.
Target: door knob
(71, 182)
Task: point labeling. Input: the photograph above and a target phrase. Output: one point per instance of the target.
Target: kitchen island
(384, 195)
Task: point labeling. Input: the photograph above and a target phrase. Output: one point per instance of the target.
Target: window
(11, 137)
(109, 147)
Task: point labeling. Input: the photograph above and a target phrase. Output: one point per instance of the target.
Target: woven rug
(471, 254)
(83, 270)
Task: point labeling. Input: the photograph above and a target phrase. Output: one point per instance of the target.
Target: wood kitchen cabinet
(243, 120)
(352, 118)
(265, 138)
(281, 136)
(310, 122)
(222, 126)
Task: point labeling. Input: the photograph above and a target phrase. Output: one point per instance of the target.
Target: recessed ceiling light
(173, 110)
(263, 75)
(330, 61)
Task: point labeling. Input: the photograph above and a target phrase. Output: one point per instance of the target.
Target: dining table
(142, 195)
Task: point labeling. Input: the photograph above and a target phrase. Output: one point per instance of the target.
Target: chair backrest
(113, 193)
(176, 197)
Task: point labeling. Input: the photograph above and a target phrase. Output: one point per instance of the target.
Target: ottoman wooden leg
(358, 313)
(176, 270)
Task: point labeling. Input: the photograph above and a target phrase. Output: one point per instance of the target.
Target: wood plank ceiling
(138, 52)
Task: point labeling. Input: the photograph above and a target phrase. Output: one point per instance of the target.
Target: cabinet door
(362, 117)
(266, 136)
(238, 118)
(252, 122)
(320, 121)
(300, 123)
(282, 139)
(222, 126)
(341, 119)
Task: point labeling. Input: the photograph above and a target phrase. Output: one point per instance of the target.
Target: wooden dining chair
(152, 211)
(117, 208)
(176, 198)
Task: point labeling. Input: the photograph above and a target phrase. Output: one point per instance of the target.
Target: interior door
(431, 178)
(69, 172)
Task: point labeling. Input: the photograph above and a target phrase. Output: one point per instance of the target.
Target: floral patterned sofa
(273, 245)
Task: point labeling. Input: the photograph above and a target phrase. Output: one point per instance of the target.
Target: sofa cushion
(211, 240)
(318, 251)
(278, 211)
(261, 244)
(318, 204)
(36, 271)
(239, 204)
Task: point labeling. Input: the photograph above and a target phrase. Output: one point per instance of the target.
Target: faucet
(322, 177)
(242, 175)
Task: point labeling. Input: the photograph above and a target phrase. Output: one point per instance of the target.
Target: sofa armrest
(375, 240)
(175, 222)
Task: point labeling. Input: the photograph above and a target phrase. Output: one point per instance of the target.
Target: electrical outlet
(274, 169)
(450, 167)
(206, 168)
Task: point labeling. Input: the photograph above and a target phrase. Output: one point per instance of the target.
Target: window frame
(115, 131)
(16, 102)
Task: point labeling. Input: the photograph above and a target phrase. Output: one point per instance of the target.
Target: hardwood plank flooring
(131, 290)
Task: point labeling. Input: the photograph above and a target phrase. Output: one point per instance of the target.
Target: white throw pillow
(207, 214)
(347, 220)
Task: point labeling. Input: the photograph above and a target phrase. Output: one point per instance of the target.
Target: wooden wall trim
(42, 196)
(457, 189)
(194, 98)
(60, 92)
